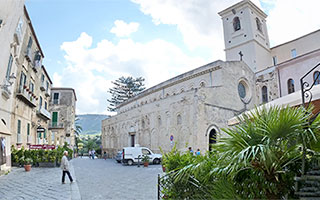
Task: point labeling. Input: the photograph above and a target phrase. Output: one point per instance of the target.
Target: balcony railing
(29, 55)
(26, 96)
(47, 93)
(54, 125)
(37, 65)
(42, 86)
(42, 112)
(6, 88)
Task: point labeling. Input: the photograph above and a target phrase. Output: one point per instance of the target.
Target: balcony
(26, 96)
(47, 93)
(6, 89)
(37, 65)
(42, 86)
(56, 125)
(29, 55)
(42, 112)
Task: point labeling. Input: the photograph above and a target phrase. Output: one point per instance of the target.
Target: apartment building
(11, 14)
(29, 118)
(63, 111)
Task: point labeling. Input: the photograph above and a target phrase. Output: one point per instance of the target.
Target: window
(293, 53)
(19, 139)
(274, 60)
(242, 90)
(19, 127)
(54, 119)
(45, 105)
(316, 77)
(29, 44)
(259, 25)
(40, 103)
(23, 80)
(145, 152)
(47, 86)
(159, 121)
(56, 98)
(31, 87)
(290, 86)
(264, 91)
(42, 78)
(28, 129)
(236, 24)
(179, 120)
(9, 67)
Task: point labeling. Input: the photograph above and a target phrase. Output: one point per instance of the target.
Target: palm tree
(260, 156)
(268, 142)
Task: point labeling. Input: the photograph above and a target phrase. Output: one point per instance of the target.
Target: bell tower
(246, 36)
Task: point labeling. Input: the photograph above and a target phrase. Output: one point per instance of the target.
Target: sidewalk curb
(75, 193)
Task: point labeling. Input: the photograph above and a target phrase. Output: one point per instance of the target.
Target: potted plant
(27, 163)
(145, 159)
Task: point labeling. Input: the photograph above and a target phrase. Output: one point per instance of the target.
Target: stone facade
(63, 112)
(24, 82)
(194, 107)
(189, 107)
(10, 39)
(30, 107)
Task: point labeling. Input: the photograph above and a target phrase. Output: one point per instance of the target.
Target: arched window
(179, 121)
(236, 24)
(316, 77)
(259, 25)
(290, 86)
(264, 91)
(159, 121)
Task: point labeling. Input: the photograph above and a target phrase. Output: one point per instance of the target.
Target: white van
(130, 155)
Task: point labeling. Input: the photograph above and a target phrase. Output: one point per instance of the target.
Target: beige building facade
(29, 119)
(63, 113)
(193, 108)
(11, 13)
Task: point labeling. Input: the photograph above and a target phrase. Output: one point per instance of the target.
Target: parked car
(130, 155)
(118, 157)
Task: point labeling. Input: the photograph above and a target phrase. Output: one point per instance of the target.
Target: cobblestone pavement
(106, 179)
(39, 183)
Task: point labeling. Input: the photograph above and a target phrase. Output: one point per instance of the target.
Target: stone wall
(188, 107)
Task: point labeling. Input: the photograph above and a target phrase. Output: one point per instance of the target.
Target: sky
(89, 43)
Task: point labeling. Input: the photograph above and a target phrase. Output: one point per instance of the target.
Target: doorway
(212, 138)
(132, 140)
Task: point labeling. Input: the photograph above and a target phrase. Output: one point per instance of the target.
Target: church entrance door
(132, 140)
(212, 138)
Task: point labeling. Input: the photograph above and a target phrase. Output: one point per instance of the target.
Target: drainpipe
(279, 81)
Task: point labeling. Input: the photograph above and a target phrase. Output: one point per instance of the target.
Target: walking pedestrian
(65, 167)
(92, 153)
(105, 155)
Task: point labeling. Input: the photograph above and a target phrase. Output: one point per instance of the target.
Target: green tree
(258, 159)
(123, 89)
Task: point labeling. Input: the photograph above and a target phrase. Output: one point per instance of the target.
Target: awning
(4, 129)
(293, 99)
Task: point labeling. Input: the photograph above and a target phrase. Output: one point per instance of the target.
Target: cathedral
(192, 108)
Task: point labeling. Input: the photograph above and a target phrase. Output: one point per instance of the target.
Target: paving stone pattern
(39, 183)
(105, 179)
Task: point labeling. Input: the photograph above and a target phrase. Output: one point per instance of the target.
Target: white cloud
(90, 69)
(57, 80)
(198, 21)
(289, 19)
(122, 29)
